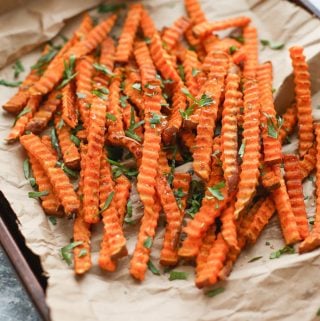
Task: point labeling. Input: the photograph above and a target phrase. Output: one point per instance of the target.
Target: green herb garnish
(44, 60)
(195, 72)
(75, 140)
(17, 68)
(130, 132)
(216, 191)
(152, 268)
(10, 83)
(232, 50)
(148, 242)
(255, 259)
(178, 275)
(105, 7)
(103, 69)
(66, 251)
(121, 169)
(53, 220)
(214, 292)
(111, 117)
(107, 202)
(242, 148)
(274, 46)
(136, 86)
(68, 73)
(288, 249)
(37, 194)
(101, 92)
(82, 253)
(196, 194)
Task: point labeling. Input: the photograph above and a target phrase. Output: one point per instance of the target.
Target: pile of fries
(147, 102)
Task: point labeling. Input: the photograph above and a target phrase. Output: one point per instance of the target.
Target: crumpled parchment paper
(282, 289)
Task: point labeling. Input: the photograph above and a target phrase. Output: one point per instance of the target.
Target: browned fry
(270, 180)
(289, 123)
(69, 111)
(308, 163)
(121, 196)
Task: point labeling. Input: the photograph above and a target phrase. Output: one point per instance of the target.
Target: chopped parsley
(196, 194)
(288, 249)
(37, 194)
(148, 242)
(178, 275)
(66, 251)
(216, 191)
(274, 46)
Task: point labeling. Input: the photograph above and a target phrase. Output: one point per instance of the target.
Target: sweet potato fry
(49, 203)
(181, 184)
(293, 178)
(206, 28)
(69, 111)
(169, 252)
(121, 196)
(188, 139)
(260, 220)
(194, 11)
(229, 228)
(312, 241)
(212, 92)
(250, 160)
(216, 258)
(229, 130)
(95, 147)
(60, 182)
(270, 180)
(250, 36)
(179, 102)
(289, 123)
(172, 35)
(147, 25)
(84, 70)
(42, 116)
(271, 143)
(303, 99)
(287, 219)
(308, 163)
(147, 70)
(107, 55)
(81, 229)
(129, 30)
(69, 150)
(21, 121)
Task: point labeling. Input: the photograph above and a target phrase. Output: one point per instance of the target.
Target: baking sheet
(281, 289)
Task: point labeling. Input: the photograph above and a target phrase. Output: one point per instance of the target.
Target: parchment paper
(280, 289)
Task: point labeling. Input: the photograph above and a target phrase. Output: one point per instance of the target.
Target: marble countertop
(15, 304)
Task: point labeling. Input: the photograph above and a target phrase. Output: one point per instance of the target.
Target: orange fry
(49, 203)
(91, 173)
(293, 178)
(308, 163)
(287, 219)
(250, 36)
(208, 116)
(169, 252)
(250, 137)
(172, 35)
(42, 116)
(216, 258)
(129, 30)
(147, 25)
(229, 130)
(81, 229)
(69, 150)
(271, 143)
(188, 139)
(289, 122)
(69, 112)
(312, 241)
(270, 180)
(22, 120)
(206, 28)
(194, 10)
(60, 182)
(229, 228)
(303, 99)
(84, 70)
(121, 196)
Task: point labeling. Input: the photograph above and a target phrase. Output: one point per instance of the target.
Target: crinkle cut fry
(287, 219)
(206, 28)
(162, 60)
(208, 116)
(142, 55)
(271, 145)
(61, 185)
(49, 203)
(194, 10)
(188, 139)
(308, 163)
(172, 35)
(179, 104)
(229, 228)
(106, 186)
(215, 262)
(250, 161)
(95, 148)
(84, 70)
(107, 55)
(52, 76)
(229, 130)
(303, 99)
(250, 36)
(20, 124)
(146, 184)
(181, 183)
(69, 111)
(269, 179)
(129, 30)
(260, 220)
(293, 178)
(70, 153)
(209, 210)
(115, 126)
(289, 122)
(81, 229)
(121, 197)
(169, 251)
(43, 115)
(312, 241)
(191, 65)
(147, 25)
